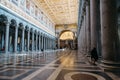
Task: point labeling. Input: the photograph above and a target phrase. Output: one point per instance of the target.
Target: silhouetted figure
(94, 55)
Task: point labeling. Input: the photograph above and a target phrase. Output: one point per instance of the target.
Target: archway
(67, 39)
(12, 35)
(3, 22)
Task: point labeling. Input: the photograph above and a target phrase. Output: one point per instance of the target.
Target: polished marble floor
(53, 65)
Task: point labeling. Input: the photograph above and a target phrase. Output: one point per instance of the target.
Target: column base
(110, 65)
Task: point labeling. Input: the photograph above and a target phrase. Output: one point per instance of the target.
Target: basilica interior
(54, 39)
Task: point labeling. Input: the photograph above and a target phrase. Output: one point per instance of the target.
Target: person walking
(94, 56)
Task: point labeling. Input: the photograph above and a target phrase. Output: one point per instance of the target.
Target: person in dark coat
(94, 55)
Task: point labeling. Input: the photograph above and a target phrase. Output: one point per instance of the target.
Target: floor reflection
(54, 65)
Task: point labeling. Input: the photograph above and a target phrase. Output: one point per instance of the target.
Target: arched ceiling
(61, 11)
(67, 35)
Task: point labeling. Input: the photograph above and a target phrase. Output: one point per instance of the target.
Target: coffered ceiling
(60, 11)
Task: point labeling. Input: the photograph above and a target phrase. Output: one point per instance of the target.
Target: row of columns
(44, 41)
(107, 20)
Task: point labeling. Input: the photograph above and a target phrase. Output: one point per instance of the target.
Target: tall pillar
(7, 37)
(82, 37)
(52, 43)
(42, 42)
(48, 43)
(58, 43)
(85, 33)
(39, 42)
(28, 42)
(93, 19)
(33, 41)
(88, 25)
(16, 37)
(109, 33)
(36, 41)
(45, 43)
(23, 34)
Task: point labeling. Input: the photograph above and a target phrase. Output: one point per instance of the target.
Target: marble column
(36, 41)
(88, 25)
(85, 33)
(39, 43)
(16, 38)
(28, 42)
(58, 43)
(7, 37)
(109, 32)
(82, 37)
(93, 23)
(33, 41)
(50, 43)
(45, 42)
(23, 38)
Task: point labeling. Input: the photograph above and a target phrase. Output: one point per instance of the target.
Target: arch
(13, 23)
(3, 19)
(12, 31)
(21, 26)
(3, 22)
(20, 36)
(35, 31)
(27, 28)
(39, 32)
(26, 38)
(31, 30)
(66, 35)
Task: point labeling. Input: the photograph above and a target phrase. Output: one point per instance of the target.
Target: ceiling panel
(61, 11)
